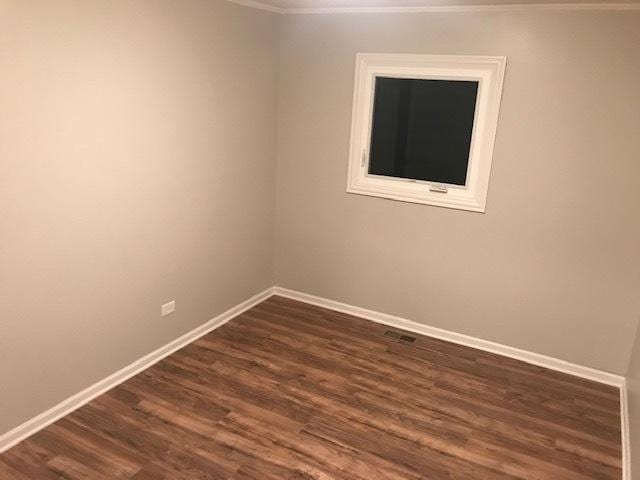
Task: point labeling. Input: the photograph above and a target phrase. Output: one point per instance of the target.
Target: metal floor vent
(399, 336)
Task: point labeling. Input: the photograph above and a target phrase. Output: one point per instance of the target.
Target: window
(423, 128)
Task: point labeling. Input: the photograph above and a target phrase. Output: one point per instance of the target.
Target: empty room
(319, 239)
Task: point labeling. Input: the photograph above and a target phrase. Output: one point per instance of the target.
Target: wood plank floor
(289, 391)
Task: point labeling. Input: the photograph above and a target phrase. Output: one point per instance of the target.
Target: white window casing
(488, 71)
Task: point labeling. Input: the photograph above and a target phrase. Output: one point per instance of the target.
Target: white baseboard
(453, 337)
(626, 435)
(511, 352)
(74, 402)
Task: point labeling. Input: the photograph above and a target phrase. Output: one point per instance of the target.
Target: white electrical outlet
(168, 308)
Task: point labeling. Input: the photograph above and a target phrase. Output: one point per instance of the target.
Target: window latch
(438, 189)
(364, 158)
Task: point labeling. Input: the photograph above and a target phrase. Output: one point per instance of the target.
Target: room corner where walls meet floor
(71, 404)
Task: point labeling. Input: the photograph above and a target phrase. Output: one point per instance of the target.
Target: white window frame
(488, 71)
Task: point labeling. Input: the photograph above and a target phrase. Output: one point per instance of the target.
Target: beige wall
(552, 267)
(137, 166)
(633, 390)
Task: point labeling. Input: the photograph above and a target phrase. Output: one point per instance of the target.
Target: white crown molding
(258, 5)
(32, 426)
(468, 8)
(516, 7)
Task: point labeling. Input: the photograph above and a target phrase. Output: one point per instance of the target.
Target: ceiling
(324, 6)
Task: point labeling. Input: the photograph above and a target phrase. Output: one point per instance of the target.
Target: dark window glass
(422, 129)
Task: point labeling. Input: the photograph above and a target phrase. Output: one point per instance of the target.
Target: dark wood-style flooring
(289, 391)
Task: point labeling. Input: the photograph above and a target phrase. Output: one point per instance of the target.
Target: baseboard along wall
(30, 427)
(487, 346)
(458, 338)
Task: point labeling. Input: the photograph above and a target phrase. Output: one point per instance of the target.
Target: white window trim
(488, 71)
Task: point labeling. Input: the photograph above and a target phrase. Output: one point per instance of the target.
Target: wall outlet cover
(168, 308)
